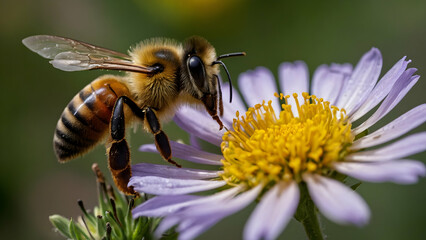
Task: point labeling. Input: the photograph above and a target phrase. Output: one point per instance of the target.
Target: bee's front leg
(119, 153)
(210, 102)
(161, 140)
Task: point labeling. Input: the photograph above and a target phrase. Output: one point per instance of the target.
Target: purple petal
(161, 206)
(407, 146)
(196, 219)
(147, 169)
(208, 217)
(398, 171)
(229, 109)
(232, 204)
(274, 211)
(194, 141)
(382, 89)
(294, 77)
(177, 212)
(398, 91)
(200, 124)
(171, 186)
(362, 80)
(257, 86)
(406, 122)
(337, 201)
(328, 81)
(192, 229)
(187, 152)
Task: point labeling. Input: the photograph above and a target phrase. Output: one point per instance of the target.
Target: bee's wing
(72, 55)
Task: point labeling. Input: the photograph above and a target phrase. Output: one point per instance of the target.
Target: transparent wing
(72, 55)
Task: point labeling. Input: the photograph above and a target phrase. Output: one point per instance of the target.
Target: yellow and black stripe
(85, 120)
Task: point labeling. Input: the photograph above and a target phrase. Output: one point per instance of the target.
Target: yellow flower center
(264, 148)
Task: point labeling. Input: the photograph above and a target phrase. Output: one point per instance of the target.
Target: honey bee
(161, 75)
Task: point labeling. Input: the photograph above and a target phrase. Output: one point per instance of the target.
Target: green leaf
(101, 197)
(76, 231)
(128, 220)
(73, 231)
(120, 200)
(101, 225)
(140, 228)
(61, 224)
(117, 231)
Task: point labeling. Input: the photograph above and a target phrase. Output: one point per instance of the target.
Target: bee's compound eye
(196, 69)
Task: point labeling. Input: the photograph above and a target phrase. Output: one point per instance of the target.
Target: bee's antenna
(229, 76)
(237, 54)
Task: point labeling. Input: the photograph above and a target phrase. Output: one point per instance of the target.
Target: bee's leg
(119, 153)
(210, 102)
(219, 89)
(161, 139)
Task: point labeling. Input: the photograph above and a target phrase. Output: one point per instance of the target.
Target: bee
(161, 75)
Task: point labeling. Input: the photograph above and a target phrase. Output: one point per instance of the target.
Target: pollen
(264, 147)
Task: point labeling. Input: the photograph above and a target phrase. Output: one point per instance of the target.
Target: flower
(286, 158)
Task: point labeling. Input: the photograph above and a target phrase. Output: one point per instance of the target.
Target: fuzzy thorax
(159, 90)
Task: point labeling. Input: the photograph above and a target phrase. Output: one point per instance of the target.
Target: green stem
(307, 214)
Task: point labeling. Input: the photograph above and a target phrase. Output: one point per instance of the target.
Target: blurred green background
(33, 185)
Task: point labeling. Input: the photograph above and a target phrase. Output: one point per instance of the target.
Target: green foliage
(111, 219)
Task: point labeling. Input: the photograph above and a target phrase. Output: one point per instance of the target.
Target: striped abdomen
(85, 121)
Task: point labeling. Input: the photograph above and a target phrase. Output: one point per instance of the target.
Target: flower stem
(307, 215)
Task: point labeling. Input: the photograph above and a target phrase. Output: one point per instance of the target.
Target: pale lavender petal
(188, 227)
(194, 228)
(362, 80)
(382, 89)
(232, 204)
(187, 152)
(319, 82)
(211, 214)
(237, 101)
(328, 82)
(274, 211)
(199, 123)
(198, 218)
(147, 169)
(258, 85)
(407, 146)
(398, 171)
(345, 68)
(176, 211)
(194, 141)
(398, 91)
(294, 78)
(406, 122)
(336, 201)
(229, 109)
(161, 206)
(167, 223)
(171, 186)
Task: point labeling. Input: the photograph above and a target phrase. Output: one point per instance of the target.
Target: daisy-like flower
(291, 151)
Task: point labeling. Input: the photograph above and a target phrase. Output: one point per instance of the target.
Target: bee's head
(201, 65)
(198, 57)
